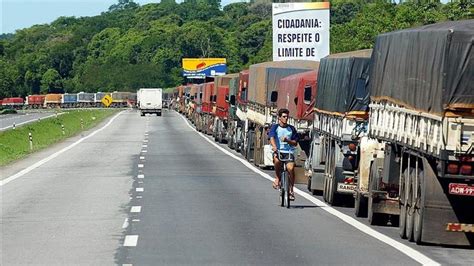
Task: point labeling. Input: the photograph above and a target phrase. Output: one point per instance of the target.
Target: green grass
(14, 143)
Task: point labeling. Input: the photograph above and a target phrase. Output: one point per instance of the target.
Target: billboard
(201, 68)
(300, 31)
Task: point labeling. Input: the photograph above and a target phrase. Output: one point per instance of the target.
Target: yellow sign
(107, 100)
(204, 67)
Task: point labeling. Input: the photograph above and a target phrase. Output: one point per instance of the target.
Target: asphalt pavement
(22, 117)
(152, 191)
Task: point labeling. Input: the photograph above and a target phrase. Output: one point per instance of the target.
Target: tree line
(131, 46)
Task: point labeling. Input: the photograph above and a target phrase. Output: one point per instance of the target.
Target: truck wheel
(158, 114)
(403, 206)
(419, 209)
(142, 114)
(360, 205)
(375, 218)
(410, 207)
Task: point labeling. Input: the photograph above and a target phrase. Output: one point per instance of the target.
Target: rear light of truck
(452, 168)
(466, 169)
(349, 180)
(457, 227)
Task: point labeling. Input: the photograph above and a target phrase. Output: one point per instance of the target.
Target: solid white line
(130, 241)
(54, 155)
(140, 166)
(136, 209)
(139, 189)
(125, 223)
(410, 252)
(141, 176)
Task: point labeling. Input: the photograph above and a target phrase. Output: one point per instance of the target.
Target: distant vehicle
(150, 101)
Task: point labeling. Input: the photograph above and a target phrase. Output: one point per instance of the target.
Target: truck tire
(419, 208)
(360, 205)
(142, 114)
(410, 207)
(373, 217)
(158, 114)
(403, 205)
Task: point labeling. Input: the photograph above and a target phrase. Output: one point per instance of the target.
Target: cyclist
(283, 137)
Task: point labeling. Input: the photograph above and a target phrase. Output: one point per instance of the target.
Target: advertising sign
(300, 31)
(200, 68)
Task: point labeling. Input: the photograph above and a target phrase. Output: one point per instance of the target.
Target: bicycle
(284, 158)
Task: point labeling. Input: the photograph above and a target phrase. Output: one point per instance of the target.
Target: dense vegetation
(131, 46)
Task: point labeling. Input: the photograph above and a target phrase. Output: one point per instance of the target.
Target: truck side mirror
(214, 98)
(200, 95)
(232, 100)
(361, 91)
(307, 95)
(274, 96)
(227, 98)
(210, 98)
(296, 100)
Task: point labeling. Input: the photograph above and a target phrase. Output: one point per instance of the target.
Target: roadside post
(30, 137)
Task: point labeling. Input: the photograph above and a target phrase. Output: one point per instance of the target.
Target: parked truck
(263, 80)
(421, 113)
(338, 126)
(221, 87)
(150, 101)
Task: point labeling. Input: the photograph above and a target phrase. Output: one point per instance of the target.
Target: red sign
(461, 189)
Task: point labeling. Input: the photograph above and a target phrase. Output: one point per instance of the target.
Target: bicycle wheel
(282, 190)
(287, 191)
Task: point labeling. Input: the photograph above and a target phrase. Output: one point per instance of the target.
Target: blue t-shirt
(278, 132)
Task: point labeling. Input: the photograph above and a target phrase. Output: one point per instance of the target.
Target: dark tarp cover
(429, 69)
(337, 80)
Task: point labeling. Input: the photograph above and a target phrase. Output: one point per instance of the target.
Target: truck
(260, 110)
(421, 114)
(334, 153)
(221, 119)
(150, 101)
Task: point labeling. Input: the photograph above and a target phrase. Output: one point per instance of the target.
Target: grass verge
(14, 143)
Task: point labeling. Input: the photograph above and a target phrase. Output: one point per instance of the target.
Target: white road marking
(140, 165)
(125, 223)
(410, 252)
(56, 154)
(140, 182)
(136, 220)
(139, 189)
(136, 209)
(127, 264)
(142, 157)
(139, 197)
(130, 241)
(145, 140)
(144, 146)
(144, 151)
(140, 176)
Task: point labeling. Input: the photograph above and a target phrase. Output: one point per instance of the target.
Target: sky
(19, 14)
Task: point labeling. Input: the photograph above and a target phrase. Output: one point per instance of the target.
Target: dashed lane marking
(140, 176)
(130, 241)
(410, 252)
(136, 209)
(125, 223)
(139, 189)
(140, 165)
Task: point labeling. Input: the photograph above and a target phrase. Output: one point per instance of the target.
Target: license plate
(341, 187)
(461, 189)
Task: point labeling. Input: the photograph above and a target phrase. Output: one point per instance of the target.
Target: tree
(122, 5)
(51, 82)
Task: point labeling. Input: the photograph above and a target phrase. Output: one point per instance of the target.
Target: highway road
(21, 118)
(152, 191)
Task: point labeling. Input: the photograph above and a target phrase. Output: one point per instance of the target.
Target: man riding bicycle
(283, 137)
